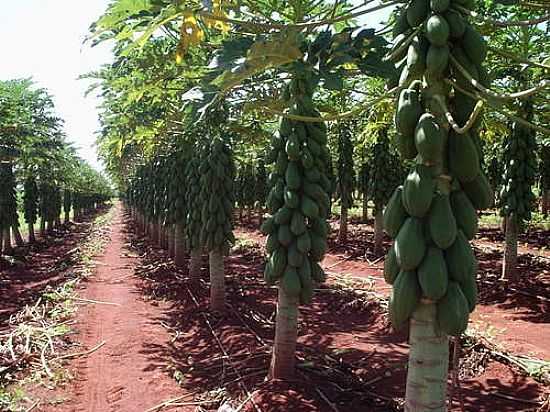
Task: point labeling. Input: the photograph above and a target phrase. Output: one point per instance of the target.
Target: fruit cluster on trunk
(346, 177)
(431, 264)
(296, 229)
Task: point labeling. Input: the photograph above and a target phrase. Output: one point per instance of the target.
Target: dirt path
(120, 376)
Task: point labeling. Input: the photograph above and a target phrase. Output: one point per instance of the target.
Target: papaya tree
(194, 202)
(363, 185)
(30, 205)
(345, 175)
(217, 174)
(544, 173)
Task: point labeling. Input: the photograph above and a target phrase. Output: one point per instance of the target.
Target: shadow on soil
(35, 267)
(348, 356)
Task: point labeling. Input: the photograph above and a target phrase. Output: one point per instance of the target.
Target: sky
(43, 39)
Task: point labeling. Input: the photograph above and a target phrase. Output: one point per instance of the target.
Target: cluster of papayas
(216, 197)
(298, 201)
(520, 167)
(193, 201)
(386, 172)
(8, 197)
(346, 175)
(433, 214)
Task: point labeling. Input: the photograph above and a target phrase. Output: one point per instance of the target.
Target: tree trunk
(286, 332)
(170, 238)
(343, 232)
(42, 227)
(49, 226)
(8, 250)
(378, 231)
(67, 217)
(509, 262)
(161, 235)
(32, 237)
(217, 281)
(545, 202)
(1, 244)
(428, 363)
(17, 236)
(195, 264)
(365, 209)
(179, 246)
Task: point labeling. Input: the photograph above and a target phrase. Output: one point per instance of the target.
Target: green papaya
(401, 25)
(452, 311)
(417, 12)
(317, 273)
(457, 25)
(404, 298)
(429, 138)
(278, 262)
(394, 214)
(292, 176)
(291, 282)
(479, 192)
(284, 235)
(439, 6)
(309, 208)
(297, 223)
(418, 191)
(292, 199)
(463, 157)
(432, 274)
(303, 243)
(409, 110)
(461, 261)
(441, 222)
(405, 146)
(283, 216)
(306, 281)
(268, 226)
(271, 243)
(318, 248)
(282, 163)
(474, 45)
(469, 288)
(295, 257)
(437, 30)
(268, 274)
(292, 148)
(391, 267)
(409, 244)
(416, 56)
(437, 61)
(465, 214)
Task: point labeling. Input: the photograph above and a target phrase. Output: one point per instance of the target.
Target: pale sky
(43, 39)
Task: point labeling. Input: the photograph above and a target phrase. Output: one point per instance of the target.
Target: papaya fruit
(391, 267)
(469, 288)
(463, 158)
(439, 6)
(404, 298)
(474, 45)
(452, 311)
(429, 138)
(306, 283)
(312, 175)
(268, 274)
(437, 60)
(409, 244)
(309, 207)
(479, 192)
(432, 274)
(271, 243)
(318, 248)
(465, 214)
(303, 243)
(417, 12)
(405, 146)
(418, 191)
(437, 30)
(408, 112)
(291, 282)
(457, 25)
(268, 226)
(292, 199)
(401, 24)
(295, 257)
(283, 216)
(292, 148)
(317, 273)
(297, 223)
(292, 176)
(461, 261)
(284, 235)
(278, 262)
(441, 222)
(394, 214)
(281, 163)
(416, 56)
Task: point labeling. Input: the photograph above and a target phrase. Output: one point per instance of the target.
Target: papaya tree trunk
(545, 202)
(217, 281)
(343, 231)
(160, 227)
(170, 239)
(365, 209)
(67, 217)
(17, 236)
(49, 226)
(509, 264)
(32, 237)
(428, 363)
(42, 227)
(378, 231)
(8, 250)
(195, 264)
(179, 246)
(283, 359)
